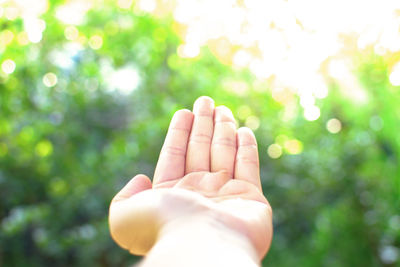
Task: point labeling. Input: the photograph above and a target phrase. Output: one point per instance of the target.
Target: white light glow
(34, 28)
(311, 113)
(188, 50)
(307, 100)
(73, 12)
(124, 80)
(125, 3)
(65, 57)
(241, 58)
(8, 66)
(394, 76)
(147, 5)
(11, 13)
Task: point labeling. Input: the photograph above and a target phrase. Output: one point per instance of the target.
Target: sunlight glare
(298, 46)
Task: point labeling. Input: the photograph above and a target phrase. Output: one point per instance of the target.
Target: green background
(66, 150)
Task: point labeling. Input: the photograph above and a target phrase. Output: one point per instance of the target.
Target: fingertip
(141, 180)
(205, 99)
(204, 105)
(224, 108)
(137, 184)
(183, 112)
(246, 136)
(245, 130)
(184, 118)
(223, 113)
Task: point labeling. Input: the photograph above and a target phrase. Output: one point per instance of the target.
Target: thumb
(137, 184)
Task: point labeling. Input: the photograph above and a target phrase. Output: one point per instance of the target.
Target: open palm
(206, 166)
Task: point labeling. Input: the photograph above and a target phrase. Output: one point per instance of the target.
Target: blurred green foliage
(65, 150)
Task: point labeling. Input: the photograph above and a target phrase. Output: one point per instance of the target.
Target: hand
(207, 171)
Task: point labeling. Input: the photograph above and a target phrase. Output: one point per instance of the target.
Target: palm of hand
(217, 168)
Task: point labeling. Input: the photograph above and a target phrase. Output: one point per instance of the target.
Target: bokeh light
(50, 79)
(274, 151)
(311, 113)
(124, 80)
(188, 50)
(71, 33)
(376, 123)
(333, 125)
(6, 37)
(8, 66)
(23, 38)
(252, 122)
(96, 41)
(293, 146)
(44, 148)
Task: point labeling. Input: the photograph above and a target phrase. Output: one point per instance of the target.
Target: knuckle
(248, 160)
(200, 138)
(225, 141)
(173, 151)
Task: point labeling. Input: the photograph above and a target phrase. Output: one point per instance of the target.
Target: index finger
(171, 163)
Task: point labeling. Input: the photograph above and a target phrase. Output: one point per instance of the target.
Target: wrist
(201, 241)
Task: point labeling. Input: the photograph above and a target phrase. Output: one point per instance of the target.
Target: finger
(137, 184)
(247, 166)
(198, 152)
(171, 163)
(223, 146)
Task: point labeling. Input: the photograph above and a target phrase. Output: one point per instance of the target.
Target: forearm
(201, 242)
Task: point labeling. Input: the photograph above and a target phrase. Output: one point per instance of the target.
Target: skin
(206, 192)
